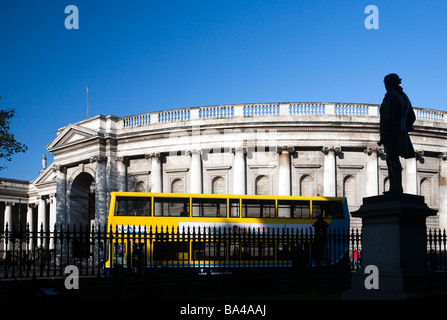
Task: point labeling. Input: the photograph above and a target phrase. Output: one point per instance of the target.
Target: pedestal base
(394, 243)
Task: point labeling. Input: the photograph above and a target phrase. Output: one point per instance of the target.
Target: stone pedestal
(394, 243)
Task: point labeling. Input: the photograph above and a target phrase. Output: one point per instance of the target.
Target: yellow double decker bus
(154, 228)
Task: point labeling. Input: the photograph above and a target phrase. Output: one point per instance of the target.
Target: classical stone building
(326, 149)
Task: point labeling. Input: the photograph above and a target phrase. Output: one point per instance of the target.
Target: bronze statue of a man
(396, 120)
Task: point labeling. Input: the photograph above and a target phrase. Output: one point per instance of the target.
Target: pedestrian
(359, 259)
(354, 259)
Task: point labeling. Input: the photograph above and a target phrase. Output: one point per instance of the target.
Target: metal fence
(125, 250)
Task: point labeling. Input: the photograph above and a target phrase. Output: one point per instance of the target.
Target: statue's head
(392, 80)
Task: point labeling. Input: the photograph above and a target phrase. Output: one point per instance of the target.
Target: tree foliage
(8, 144)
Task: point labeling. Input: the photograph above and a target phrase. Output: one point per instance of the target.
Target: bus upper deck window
(234, 208)
(171, 207)
(329, 209)
(132, 206)
(258, 208)
(206, 207)
(294, 209)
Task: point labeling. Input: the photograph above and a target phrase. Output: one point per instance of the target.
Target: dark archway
(82, 200)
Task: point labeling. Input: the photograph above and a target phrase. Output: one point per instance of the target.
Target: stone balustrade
(313, 111)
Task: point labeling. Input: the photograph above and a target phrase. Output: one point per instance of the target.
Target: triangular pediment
(72, 134)
(47, 175)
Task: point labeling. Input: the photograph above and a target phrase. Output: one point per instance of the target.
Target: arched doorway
(82, 201)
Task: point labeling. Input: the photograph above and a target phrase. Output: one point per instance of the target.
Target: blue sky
(143, 56)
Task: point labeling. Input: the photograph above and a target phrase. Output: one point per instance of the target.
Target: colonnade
(239, 170)
(38, 214)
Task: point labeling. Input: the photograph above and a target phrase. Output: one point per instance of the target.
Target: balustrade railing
(351, 109)
(261, 110)
(216, 112)
(307, 108)
(312, 111)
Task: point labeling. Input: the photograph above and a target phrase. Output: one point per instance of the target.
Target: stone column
(284, 187)
(196, 171)
(411, 185)
(8, 222)
(52, 218)
(53, 210)
(29, 216)
(41, 213)
(29, 222)
(372, 172)
(156, 172)
(100, 190)
(239, 168)
(443, 191)
(41, 220)
(121, 165)
(330, 171)
(61, 195)
(8, 215)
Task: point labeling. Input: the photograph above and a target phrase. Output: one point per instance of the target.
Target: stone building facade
(325, 149)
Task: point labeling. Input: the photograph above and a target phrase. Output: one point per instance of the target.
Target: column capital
(123, 160)
(152, 155)
(194, 151)
(443, 156)
(370, 150)
(279, 150)
(335, 149)
(42, 197)
(239, 149)
(98, 158)
(59, 168)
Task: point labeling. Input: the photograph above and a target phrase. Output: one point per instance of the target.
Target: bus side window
(234, 208)
(258, 208)
(132, 206)
(285, 209)
(171, 207)
(299, 209)
(329, 209)
(209, 207)
(316, 209)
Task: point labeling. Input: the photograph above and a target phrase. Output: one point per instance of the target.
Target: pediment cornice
(72, 134)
